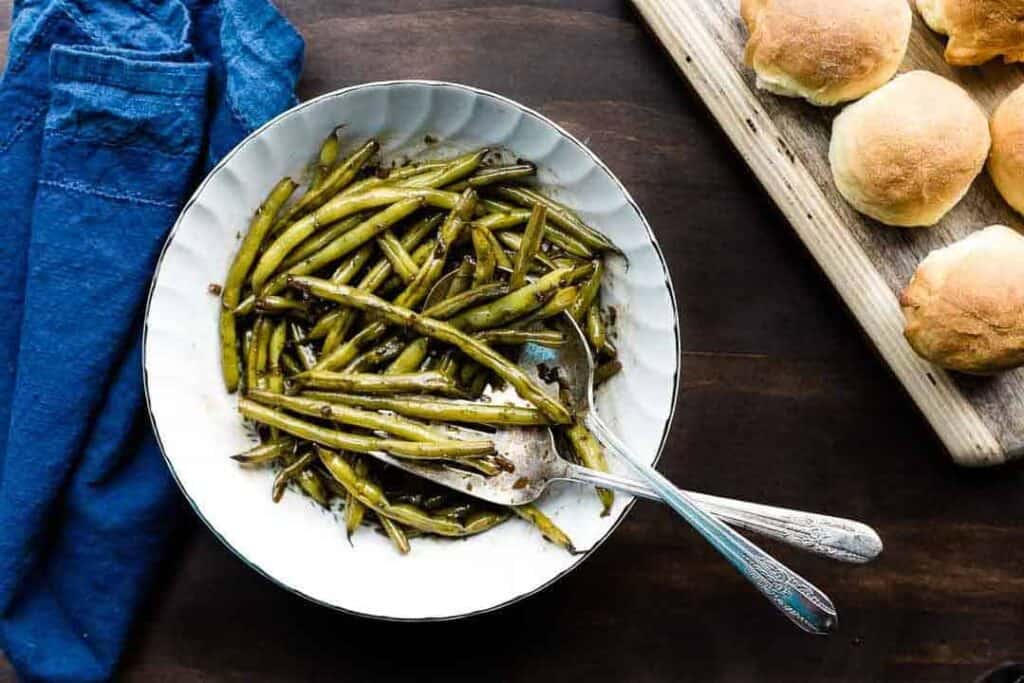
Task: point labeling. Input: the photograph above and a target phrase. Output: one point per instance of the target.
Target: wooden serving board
(785, 142)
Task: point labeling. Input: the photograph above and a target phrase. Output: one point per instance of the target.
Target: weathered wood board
(785, 142)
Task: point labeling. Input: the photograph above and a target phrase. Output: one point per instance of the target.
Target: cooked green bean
(287, 473)
(309, 481)
(486, 261)
(560, 215)
(495, 174)
(605, 371)
(410, 358)
(445, 410)
(289, 364)
(329, 149)
(275, 376)
(588, 293)
(500, 220)
(514, 241)
(395, 533)
(500, 257)
(279, 304)
(597, 334)
(306, 356)
(462, 279)
(548, 529)
(393, 176)
(446, 308)
(340, 176)
(266, 452)
(371, 495)
(529, 246)
(354, 510)
(456, 170)
(442, 448)
(321, 239)
(443, 332)
(547, 338)
(257, 358)
(401, 261)
(590, 453)
(232, 289)
(430, 382)
(561, 301)
(382, 353)
(520, 302)
(344, 413)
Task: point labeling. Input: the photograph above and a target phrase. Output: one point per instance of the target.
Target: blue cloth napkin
(110, 112)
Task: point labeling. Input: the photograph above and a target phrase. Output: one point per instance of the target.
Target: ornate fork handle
(836, 538)
(794, 596)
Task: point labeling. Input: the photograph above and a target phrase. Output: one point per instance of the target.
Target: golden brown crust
(1006, 161)
(826, 52)
(978, 30)
(964, 306)
(907, 153)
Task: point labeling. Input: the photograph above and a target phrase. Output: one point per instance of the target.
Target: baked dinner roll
(964, 306)
(1006, 161)
(826, 52)
(907, 153)
(978, 30)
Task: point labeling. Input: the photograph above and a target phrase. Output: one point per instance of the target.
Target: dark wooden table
(782, 401)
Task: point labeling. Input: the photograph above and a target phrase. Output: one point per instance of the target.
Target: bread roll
(825, 52)
(1006, 161)
(907, 153)
(964, 306)
(978, 30)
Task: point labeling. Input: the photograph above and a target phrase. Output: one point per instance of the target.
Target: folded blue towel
(111, 112)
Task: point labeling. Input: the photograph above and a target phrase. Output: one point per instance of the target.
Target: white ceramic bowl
(295, 543)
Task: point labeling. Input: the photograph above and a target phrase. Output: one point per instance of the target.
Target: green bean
(377, 384)
(446, 308)
(532, 514)
(442, 448)
(325, 159)
(291, 366)
(395, 533)
(495, 174)
(590, 453)
(443, 332)
(482, 521)
(371, 495)
(597, 334)
(500, 220)
(266, 452)
(341, 245)
(514, 241)
(529, 247)
(319, 240)
(309, 481)
(439, 409)
(256, 360)
(401, 261)
(449, 365)
(588, 293)
(605, 371)
(560, 215)
(486, 262)
(340, 176)
(462, 279)
(561, 301)
(491, 205)
(500, 257)
(279, 305)
(275, 380)
(232, 289)
(382, 353)
(456, 512)
(306, 356)
(518, 303)
(514, 337)
(393, 176)
(479, 383)
(287, 473)
(336, 411)
(410, 358)
(456, 170)
(354, 510)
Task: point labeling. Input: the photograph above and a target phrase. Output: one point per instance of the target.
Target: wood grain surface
(783, 401)
(785, 141)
